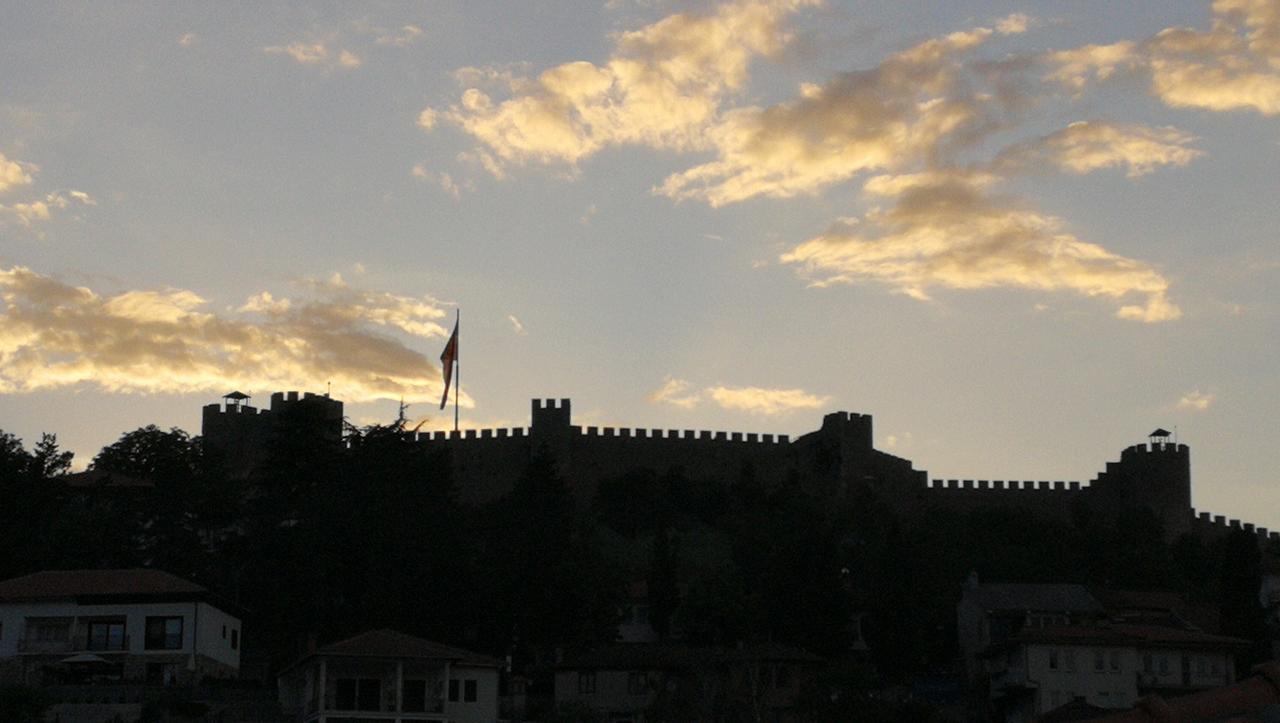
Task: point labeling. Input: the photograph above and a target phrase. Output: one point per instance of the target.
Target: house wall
(214, 659)
(612, 694)
(485, 709)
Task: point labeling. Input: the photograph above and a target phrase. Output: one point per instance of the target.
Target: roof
(387, 643)
(65, 584)
(235, 395)
(659, 656)
(1021, 597)
(1252, 699)
(96, 478)
(1121, 635)
(1160, 432)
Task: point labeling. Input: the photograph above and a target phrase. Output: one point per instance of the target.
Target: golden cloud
(759, 400)
(1087, 146)
(661, 88)
(53, 335)
(13, 173)
(1235, 65)
(885, 118)
(1196, 401)
(755, 400)
(315, 54)
(946, 229)
(677, 393)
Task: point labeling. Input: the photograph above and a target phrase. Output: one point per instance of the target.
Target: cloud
(516, 325)
(946, 229)
(585, 218)
(758, 400)
(1087, 146)
(188, 39)
(442, 179)
(889, 117)
(55, 335)
(661, 88)
(14, 173)
(677, 393)
(31, 212)
(405, 36)
(427, 119)
(316, 54)
(1235, 65)
(1196, 401)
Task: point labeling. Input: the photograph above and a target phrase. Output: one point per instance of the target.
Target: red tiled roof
(394, 644)
(1243, 701)
(65, 584)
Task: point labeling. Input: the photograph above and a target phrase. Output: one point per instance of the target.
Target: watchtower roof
(237, 396)
(1161, 432)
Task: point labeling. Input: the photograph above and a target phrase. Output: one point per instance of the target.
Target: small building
(634, 683)
(385, 675)
(111, 626)
(1108, 666)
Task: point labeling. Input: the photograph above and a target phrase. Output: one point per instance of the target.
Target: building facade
(384, 675)
(138, 626)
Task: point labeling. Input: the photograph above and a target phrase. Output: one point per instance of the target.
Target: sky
(1022, 235)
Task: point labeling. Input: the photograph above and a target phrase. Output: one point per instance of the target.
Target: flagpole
(457, 368)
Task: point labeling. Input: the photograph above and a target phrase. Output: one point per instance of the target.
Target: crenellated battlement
(1207, 523)
(1006, 485)
(687, 435)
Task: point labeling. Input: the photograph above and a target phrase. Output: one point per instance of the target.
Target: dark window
(346, 694)
(164, 633)
(162, 673)
(783, 677)
(369, 694)
(1146, 662)
(1098, 662)
(587, 683)
(1053, 659)
(358, 694)
(453, 691)
(235, 639)
(415, 696)
(224, 632)
(1115, 661)
(469, 691)
(637, 683)
(106, 636)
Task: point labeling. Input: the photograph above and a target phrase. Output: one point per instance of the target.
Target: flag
(447, 358)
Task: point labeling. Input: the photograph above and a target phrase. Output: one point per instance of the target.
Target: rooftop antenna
(328, 388)
(400, 418)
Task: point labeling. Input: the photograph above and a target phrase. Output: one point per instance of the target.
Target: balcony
(103, 645)
(44, 647)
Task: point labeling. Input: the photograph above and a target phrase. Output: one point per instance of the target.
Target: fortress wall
(1051, 499)
(486, 463)
(1209, 527)
(607, 452)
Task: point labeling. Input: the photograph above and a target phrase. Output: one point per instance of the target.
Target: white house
(1107, 665)
(384, 675)
(137, 625)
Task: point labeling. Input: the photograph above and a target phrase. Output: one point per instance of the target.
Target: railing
(44, 646)
(118, 645)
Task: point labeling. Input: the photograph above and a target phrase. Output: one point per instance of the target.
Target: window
(358, 694)
(1070, 656)
(224, 632)
(235, 639)
(782, 678)
(106, 635)
(1055, 698)
(637, 683)
(1146, 663)
(469, 691)
(586, 683)
(454, 687)
(1164, 664)
(164, 633)
(415, 696)
(1099, 661)
(1053, 659)
(1115, 661)
(50, 631)
(1202, 665)
(1214, 666)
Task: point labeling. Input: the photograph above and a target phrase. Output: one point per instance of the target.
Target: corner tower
(1156, 475)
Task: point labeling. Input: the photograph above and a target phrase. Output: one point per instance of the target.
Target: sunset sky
(1021, 234)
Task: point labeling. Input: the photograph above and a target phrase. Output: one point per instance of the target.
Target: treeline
(332, 538)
